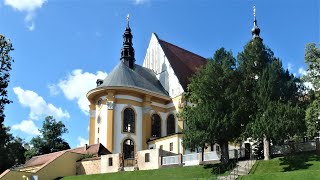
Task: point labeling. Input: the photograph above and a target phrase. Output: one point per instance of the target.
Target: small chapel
(135, 107)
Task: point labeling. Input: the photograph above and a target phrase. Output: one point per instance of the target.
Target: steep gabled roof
(183, 62)
(139, 77)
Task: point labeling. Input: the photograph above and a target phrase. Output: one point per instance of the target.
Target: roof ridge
(140, 75)
(182, 48)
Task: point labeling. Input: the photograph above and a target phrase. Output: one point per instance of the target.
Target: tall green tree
(12, 150)
(272, 96)
(213, 116)
(50, 139)
(10, 147)
(312, 59)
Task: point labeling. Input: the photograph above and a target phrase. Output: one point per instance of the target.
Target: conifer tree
(213, 115)
(272, 96)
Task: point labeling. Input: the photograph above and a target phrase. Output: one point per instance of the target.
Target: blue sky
(63, 46)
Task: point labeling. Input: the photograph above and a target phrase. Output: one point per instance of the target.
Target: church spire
(255, 30)
(127, 51)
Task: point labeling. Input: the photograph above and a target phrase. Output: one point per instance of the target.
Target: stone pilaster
(92, 123)
(110, 122)
(146, 123)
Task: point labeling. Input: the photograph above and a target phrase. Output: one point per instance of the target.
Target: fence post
(180, 159)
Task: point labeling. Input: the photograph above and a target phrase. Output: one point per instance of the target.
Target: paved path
(242, 168)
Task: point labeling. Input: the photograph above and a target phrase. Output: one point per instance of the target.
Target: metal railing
(210, 156)
(190, 157)
(169, 160)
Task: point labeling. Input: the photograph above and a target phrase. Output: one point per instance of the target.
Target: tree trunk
(266, 148)
(224, 152)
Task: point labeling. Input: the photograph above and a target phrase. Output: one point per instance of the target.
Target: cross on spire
(255, 30)
(128, 19)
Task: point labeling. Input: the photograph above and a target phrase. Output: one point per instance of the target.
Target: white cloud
(289, 66)
(302, 71)
(82, 141)
(76, 85)
(54, 89)
(38, 106)
(27, 6)
(27, 126)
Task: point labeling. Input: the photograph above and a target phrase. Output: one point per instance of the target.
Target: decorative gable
(172, 65)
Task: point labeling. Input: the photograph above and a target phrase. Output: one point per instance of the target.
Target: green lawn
(299, 166)
(192, 172)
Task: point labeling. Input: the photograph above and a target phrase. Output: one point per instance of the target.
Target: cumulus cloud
(76, 85)
(38, 106)
(26, 6)
(54, 89)
(82, 141)
(27, 126)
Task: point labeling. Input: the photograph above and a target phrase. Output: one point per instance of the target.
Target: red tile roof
(95, 149)
(183, 62)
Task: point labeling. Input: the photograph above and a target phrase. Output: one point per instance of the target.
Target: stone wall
(89, 166)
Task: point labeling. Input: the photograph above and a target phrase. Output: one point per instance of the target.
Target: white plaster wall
(103, 125)
(119, 136)
(105, 168)
(154, 159)
(166, 144)
(156, 60)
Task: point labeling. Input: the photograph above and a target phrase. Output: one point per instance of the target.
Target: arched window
(128, 149)
(171, 124)
(128, 120)
(155, 125)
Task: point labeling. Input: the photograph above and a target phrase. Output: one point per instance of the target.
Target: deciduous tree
(312, 58)
(50, 139)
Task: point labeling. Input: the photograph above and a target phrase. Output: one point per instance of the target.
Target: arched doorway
(128, 152)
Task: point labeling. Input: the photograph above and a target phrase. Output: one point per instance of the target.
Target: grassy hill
(298, 166)
(192, 172)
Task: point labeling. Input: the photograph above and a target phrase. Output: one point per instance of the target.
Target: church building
(135, 107)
